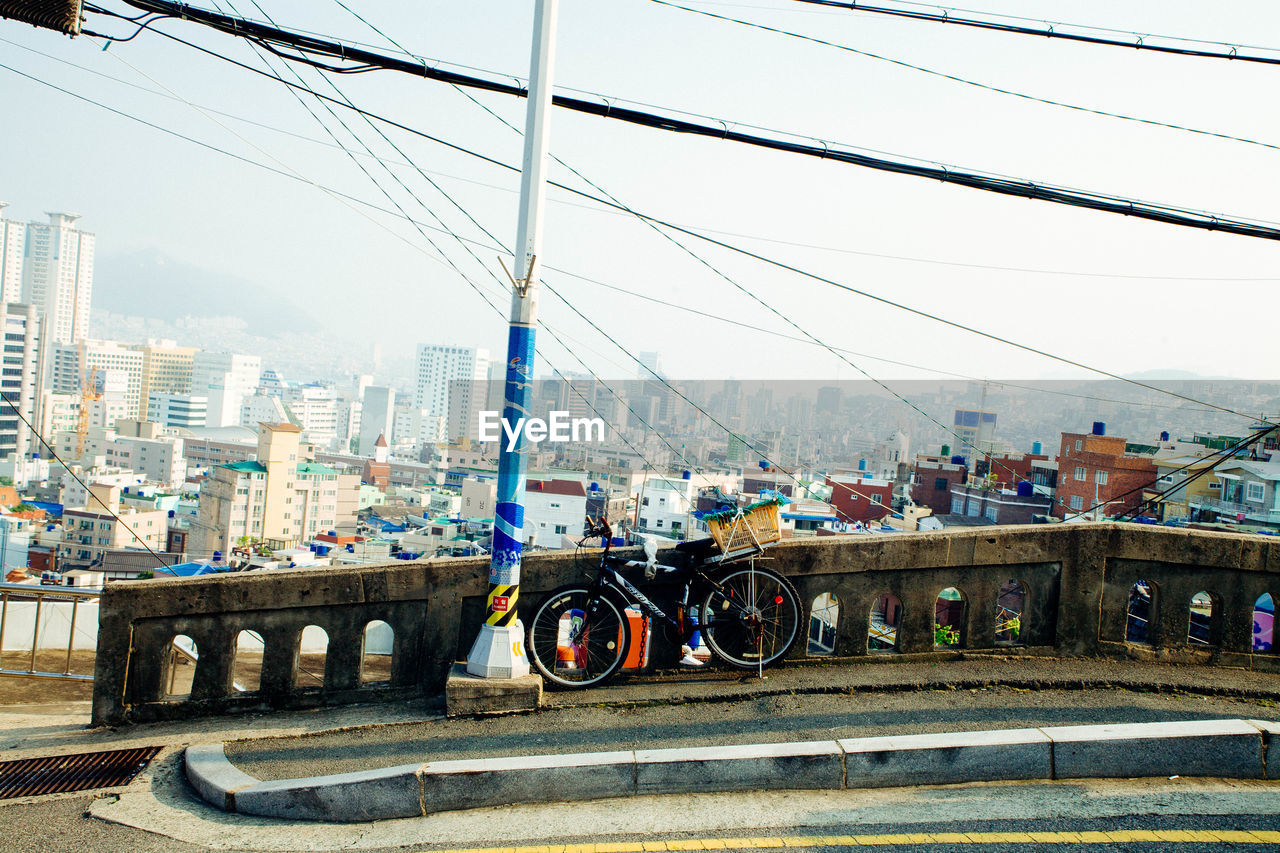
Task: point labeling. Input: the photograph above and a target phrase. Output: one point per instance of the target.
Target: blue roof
(51, 508)
(184, 570)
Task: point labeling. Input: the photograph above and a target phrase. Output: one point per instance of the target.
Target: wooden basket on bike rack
(747, 530)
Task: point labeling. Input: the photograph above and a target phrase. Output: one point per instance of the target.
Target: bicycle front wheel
(752, 619)
(577, 638)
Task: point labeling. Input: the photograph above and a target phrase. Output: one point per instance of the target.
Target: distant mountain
(1173, 375)
(150, 284)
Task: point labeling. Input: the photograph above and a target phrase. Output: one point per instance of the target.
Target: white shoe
(689, 659)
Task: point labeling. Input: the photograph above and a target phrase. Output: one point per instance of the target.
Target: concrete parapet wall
(1076, 579)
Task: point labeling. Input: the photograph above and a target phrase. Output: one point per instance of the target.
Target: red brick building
(1094, 469)
(933, 478)
(860, 498)
(1009, 468)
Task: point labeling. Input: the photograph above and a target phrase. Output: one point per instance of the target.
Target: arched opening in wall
(1136, 629)
(181, 667)
(823, 618)
(312, 651)
(948, 619)
(246, 666)
(1009, 605)
(375, 658)
(1264, 623)
(882, 630)
(1199, 619)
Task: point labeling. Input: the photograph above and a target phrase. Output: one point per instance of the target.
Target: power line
(606, 203)
(702, 228)
(1139, 40)
(988, 87)
(1105, 202)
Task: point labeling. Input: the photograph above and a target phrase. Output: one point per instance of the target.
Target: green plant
(945, 635)
(142, 576)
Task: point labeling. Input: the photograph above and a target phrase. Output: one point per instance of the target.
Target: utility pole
(498, 651)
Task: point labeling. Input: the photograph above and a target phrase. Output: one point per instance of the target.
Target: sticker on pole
(500, 603)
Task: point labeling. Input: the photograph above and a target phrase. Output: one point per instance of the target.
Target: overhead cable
(988, 87)
(1139, 41)
(1105, 202)
(621, 208)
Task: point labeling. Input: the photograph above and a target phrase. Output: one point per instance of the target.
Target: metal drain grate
(58, 773)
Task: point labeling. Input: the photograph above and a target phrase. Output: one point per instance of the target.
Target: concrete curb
(1220, 748)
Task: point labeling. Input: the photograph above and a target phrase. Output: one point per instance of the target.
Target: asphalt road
(158, 811)
(1178, 815)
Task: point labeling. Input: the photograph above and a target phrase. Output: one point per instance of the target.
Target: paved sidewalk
(793, 703)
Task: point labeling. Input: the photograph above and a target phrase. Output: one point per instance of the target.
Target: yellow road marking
(897, 839)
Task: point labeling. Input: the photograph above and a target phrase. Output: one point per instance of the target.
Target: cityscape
(123, 451)
(552, 426)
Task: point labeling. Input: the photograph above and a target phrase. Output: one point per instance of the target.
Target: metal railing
(1232, 507)
(43, 597)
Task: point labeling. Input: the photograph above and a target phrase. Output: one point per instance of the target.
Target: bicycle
(579, 635)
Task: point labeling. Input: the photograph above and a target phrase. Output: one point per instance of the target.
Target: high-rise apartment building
(226, 379)
(166, 369)
(451, 382)
(19, 372)
(13, 242)
(57, 276)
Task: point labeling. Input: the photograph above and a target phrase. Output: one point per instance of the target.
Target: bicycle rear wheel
(753, 619)
(577, 638)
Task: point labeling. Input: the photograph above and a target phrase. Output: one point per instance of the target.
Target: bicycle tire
(576, 656)
(755, 621)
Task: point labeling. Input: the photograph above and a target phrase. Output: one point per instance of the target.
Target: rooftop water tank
(217, 556)
(764, 465)
(1164, 435)
(686, 474)
(1037, 448)
(1099, 428)
(595, 487)
(862, 464)
(946, 450)
(957, 460)
(1025, 489)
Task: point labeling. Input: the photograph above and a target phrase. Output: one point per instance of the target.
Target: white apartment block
(109, 368)
(158, 458)
(19, 366)
(451, 382)
(553, 509)
(261, 409)
(226, 379)
(13, 242)
(315, 408)
(73, 492)
(414, 428)
(178, 410)
(57, 276)
(666, 506)
(92, 528)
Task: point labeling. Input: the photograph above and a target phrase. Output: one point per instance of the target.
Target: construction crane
(88, 394)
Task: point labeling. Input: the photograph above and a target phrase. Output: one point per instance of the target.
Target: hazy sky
(1146, 296)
